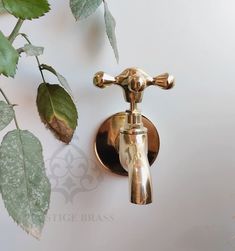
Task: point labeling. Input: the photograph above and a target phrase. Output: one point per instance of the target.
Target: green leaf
(26, 9)
(81, 9)
(110, 29)
(64, 83)
(24, 185)
(6, 114)
(8, 57)
(31, 50)
(57, 110)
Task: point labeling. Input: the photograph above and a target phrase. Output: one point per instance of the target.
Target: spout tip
(144, 199)
(141, 202)
(142, 195)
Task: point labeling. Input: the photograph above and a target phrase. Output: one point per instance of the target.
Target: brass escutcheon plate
(107, 139)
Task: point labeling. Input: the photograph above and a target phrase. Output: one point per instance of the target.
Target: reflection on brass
(128, 142)
(133, 81)
(107, 143)
(133, 147)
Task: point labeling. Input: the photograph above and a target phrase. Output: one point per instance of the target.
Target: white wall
(194, 188)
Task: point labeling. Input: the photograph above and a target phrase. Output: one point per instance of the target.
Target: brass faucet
(130, 135)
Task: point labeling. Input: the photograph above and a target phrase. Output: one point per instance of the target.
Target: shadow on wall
(86, 37)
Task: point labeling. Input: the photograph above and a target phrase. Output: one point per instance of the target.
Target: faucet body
(133, 149)
(133, 143)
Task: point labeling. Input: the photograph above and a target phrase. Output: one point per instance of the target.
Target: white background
(194, 188)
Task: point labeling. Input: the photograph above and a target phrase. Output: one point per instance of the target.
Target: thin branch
(37, 59)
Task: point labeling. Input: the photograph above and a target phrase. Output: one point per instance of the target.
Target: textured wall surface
(194, 188)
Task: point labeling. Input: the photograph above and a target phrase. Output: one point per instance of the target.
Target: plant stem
(9, 103)
(37, 59)
(11, 39)
(15, 31)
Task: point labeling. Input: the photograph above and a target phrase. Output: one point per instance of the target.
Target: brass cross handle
(133, 81)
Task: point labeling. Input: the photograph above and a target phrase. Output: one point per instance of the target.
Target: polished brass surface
(107, 143)
(133, 158)
(133, 148)
(125, 134)
(133, 81)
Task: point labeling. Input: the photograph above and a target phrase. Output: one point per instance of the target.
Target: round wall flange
(107, 140)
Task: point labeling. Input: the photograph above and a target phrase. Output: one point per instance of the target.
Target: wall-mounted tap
(127, 142)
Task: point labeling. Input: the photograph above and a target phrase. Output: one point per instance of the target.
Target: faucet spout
(133, 148)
